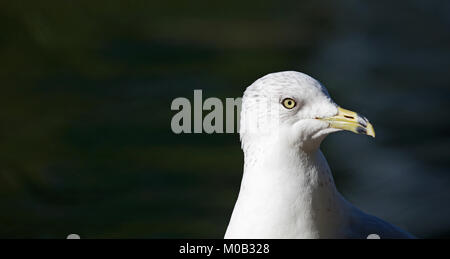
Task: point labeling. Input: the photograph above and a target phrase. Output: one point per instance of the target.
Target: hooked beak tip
(351, 121)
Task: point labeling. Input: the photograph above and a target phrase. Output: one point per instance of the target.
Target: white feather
(287, 189)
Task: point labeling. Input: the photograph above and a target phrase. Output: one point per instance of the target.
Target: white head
(295, 107)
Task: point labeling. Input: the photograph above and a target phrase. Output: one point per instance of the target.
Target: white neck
(286, 193)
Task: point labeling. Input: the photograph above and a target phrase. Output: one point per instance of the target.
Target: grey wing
(362, 225)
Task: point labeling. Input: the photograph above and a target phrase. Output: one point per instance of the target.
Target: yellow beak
(351, 121)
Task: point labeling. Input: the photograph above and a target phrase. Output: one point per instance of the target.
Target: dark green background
(86, 86)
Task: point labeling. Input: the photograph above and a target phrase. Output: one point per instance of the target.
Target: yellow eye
(289, 103)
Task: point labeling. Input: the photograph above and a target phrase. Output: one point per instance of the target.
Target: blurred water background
(86, 86)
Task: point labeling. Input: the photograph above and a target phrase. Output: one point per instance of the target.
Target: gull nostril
(349, 117)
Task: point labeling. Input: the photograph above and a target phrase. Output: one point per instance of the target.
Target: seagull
(287, 189)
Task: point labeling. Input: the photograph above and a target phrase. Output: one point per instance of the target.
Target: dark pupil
(289, 103)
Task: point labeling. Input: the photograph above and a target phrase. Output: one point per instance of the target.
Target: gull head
(296, 108)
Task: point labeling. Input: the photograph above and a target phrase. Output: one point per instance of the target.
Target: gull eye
(289, 103)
